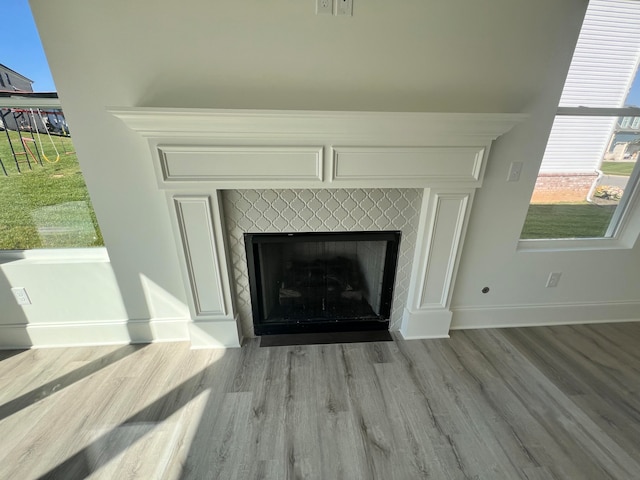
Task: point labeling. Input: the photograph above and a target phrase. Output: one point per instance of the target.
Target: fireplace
(321, 282)
(318, 210)
(290, 159)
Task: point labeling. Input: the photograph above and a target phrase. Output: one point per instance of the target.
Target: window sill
(573, 244)
(57, 255)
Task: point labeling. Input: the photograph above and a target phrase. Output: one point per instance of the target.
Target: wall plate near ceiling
(554, 279)
(324, 7)
(344, 7)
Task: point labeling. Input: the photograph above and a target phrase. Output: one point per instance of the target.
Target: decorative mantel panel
(240, 164)
(198, 153)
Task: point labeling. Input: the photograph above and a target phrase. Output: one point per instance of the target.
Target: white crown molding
(403, 128)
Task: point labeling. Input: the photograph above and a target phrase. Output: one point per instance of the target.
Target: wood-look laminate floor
(534, 403)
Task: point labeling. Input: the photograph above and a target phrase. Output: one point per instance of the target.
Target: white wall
(62, 294)
(489, 56)
(596, 285)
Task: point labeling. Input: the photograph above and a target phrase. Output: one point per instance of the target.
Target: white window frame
(624, 225)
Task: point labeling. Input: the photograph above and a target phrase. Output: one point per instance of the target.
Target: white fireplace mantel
(199, 152)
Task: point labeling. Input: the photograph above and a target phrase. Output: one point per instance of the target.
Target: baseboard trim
(72, 334)
(225, 334)
(544, 315)
(215, 333)
(425, 324)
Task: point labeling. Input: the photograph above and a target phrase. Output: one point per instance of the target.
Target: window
(45, 202)
(44, 197)
(2, 82)
(589, 174)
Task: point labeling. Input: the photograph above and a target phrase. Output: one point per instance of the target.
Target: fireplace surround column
(205, 267)
(443, 218)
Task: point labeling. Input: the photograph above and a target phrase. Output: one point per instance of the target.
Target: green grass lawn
(567, 221)
(617, 168)
(47, 206)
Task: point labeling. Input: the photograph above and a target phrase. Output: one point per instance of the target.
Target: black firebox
(321, 282)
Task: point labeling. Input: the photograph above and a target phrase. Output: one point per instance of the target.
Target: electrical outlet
(324, 7)
(554, 279)
(344, 7)
(514, 172)
(21, 295)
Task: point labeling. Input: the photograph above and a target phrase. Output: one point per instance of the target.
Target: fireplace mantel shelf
(222, 123)
(199, 152)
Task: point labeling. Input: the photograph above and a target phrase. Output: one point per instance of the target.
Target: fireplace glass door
(319, 282)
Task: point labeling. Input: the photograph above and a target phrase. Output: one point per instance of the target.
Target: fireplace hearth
(321, 282)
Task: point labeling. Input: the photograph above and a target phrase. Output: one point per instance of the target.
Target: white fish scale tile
(264, 211)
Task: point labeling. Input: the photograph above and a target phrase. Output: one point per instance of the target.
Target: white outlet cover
(324, 7)
(554, 279)
(21, 295)
(514, 172)
(344, 7)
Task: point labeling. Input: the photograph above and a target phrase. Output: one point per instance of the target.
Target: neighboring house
(601, 73)
(625, 142)
(12, 81)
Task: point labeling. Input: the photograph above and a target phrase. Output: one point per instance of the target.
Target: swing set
(31, 125)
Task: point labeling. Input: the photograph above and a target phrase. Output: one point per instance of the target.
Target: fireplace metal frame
(381, 322)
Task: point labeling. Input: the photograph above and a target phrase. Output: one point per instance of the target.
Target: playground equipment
(50, 139)
(34, 122)
(65, 132)
(25, 145)
(13, 151)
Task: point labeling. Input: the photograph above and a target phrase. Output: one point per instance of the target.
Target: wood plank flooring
(531, 403)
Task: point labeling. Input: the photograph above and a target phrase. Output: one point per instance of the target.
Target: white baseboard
(18, 336)
(159, 330)
(224, 334)
(423, 324)
(544, 315)
(13, 337)
(215, 333)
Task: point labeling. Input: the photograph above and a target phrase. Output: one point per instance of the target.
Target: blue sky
(633, 99)
(20, 48)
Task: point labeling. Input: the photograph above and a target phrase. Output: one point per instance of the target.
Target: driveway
(614, 181)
